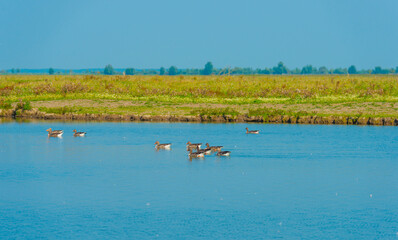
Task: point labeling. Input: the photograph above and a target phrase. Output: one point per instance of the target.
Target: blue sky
(150, 34)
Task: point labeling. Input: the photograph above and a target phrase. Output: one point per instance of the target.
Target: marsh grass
(215, 112)
(121, 110)
(5, 104)
(23, 105)
(63, 110)
(266, 113)
(200, 88)
(226, 94)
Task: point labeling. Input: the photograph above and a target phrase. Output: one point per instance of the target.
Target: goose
(195, 154)
(162, 146)
(78, 134)
(252, 131)
(206, 151)
(223, 153)
(51, 133)
(193, 145)
(55, 131)
(214, 148)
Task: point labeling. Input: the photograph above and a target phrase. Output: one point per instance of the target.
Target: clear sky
(187, 33)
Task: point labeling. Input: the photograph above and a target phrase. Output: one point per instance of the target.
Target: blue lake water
(288, 182)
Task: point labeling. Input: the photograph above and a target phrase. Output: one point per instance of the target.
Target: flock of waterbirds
(59, 133)
(200, 153)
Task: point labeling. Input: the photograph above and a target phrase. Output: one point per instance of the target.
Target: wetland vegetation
(265, 96)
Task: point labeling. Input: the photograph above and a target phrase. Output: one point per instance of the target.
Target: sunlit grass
(168, 94)
(233, 89)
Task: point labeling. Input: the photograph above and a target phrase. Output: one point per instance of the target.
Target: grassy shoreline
(228, 97)
(269, 117)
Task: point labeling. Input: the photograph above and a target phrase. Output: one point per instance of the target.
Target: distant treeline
(208, 69)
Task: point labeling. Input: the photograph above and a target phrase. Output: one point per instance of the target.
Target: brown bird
(214, 148)
(223, 153)
(252, 131)
(206, 151)
(78, 134)
(193, 145)
(162, 146)
(195, 154)
(55, 133)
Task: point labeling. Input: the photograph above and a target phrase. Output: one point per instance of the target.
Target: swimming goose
(193, 145)
(162, 146)
(252, 131)
(52, 133)
(223, 153)
(78, 134)
(206, 151)
(195, 154)
(55, 131)
(214, 148)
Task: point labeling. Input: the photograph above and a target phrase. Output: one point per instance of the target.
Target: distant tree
(51, 71)
(191, 71)
(323, 70)
(267, 71)
(340, 71)
(208, 70)
(364, 71)
(242, 71)
(130, 71)
(352, 70)
(307, 70)
(396, 70)
(150, 72)
(173, 70)
(223, 71)
(379, 70)
(108, 70)
(162, 71)
(295, 71)
(247, 71)
(18, 70)
(236, 70)
(258, 71)
(13, 71)
(280, 69)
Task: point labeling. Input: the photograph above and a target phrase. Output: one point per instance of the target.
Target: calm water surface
(289, 182)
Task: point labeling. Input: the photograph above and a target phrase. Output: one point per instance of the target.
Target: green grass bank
(325, 99)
